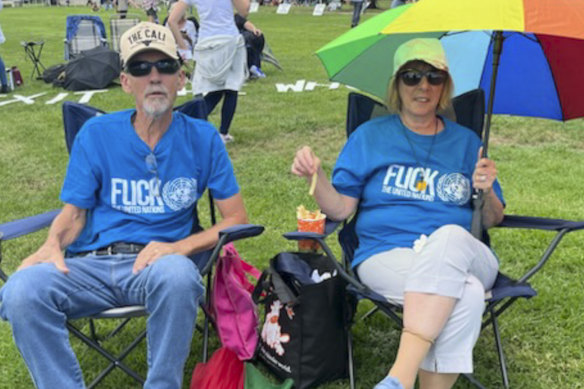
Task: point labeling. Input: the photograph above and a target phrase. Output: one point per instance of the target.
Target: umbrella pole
(477, 197)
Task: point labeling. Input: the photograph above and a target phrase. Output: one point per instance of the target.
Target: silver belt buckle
(109, 250)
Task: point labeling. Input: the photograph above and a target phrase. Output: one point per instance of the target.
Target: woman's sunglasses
(412, 77)
(143, 68)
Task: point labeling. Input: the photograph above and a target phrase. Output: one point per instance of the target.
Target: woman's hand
(484, 174)
(306, 163)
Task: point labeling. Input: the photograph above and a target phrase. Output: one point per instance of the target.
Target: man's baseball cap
(147, 36)
(429, 50)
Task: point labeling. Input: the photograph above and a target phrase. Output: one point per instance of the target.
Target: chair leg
(470, 378)
(206, 320)
(350, 361)
(370, 313)
(114, 362)
(499, 345)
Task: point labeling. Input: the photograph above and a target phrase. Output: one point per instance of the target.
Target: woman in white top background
(220, 54)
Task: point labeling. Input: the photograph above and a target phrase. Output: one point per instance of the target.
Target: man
(130, 190)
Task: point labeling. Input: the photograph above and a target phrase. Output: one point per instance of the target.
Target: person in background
(150, 7)
(357, 9)
(122, 7)
(127, 224)
(254, 43)
(3, 80)
(411, 176)
(188, 29)
(219, 53)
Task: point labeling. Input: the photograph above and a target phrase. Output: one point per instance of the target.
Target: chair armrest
(540, 223)
(20, 227)
(231, 234)
(329, 227)
(240, 231)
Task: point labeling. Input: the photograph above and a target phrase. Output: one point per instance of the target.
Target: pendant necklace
(421, 183)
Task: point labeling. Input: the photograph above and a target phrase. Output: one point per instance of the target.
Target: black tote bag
(304, 333)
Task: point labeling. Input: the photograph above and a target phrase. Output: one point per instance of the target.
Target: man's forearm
(208, 238)
(66, 227)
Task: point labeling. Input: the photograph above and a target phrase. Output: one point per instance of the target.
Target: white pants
(452, 263)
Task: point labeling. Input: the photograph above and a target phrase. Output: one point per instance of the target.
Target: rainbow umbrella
(532, 51)
(539, 70)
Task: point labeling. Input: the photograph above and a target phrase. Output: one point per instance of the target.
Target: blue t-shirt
(134, 194)
(377, 166)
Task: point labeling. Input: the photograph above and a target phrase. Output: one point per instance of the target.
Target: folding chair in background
(74, 116)
(469, 112)
(83, 32)
(118, 26)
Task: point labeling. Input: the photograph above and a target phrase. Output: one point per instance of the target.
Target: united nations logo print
(180, 193)
(454, 188)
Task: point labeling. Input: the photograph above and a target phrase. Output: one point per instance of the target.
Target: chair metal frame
(506, 289)
(21, 227)
(98, 37)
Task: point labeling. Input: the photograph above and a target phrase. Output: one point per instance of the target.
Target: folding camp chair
(83, 32)
(468, 111)
(74, 116)
(118, 26)
(268, 56)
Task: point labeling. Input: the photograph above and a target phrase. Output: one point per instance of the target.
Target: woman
(188, 29)
(220, 54)
(410, 174)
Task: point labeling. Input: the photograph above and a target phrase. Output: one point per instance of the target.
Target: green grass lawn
(539, 161)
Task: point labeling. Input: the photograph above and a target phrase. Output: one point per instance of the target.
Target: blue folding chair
(83, 32)
(468, 110)
(74, 115)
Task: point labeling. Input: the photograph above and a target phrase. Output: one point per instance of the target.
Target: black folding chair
(33, 51)
(74, 116)
(468, 110)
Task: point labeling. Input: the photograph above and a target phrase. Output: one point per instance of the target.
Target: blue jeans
(39, 299)
(3, 80)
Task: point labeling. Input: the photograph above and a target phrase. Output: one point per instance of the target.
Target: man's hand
(46, 254)
(151, 253)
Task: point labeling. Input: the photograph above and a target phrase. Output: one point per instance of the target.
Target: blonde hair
(394, 102)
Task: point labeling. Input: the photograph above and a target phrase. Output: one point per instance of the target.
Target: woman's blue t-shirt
(378, 167)
(135, 194)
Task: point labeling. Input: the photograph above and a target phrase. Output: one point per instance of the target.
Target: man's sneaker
(257, 72)
(4, 89)
(389, 383)
(226, 138)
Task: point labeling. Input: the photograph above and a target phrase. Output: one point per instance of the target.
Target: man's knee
(176, 273)
(25, 291)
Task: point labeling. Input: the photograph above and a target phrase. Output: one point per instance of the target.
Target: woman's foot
(389, 383)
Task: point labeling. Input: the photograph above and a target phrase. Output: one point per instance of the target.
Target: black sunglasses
(143, 68)
(412, 77)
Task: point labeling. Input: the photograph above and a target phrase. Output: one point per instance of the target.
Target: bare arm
(65, 229)
(241, 7)
(337, 206)
(175, 16)
(232, 212)
(250, 27)
(483, 178)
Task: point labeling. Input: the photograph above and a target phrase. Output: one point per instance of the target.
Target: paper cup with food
(309, 221)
